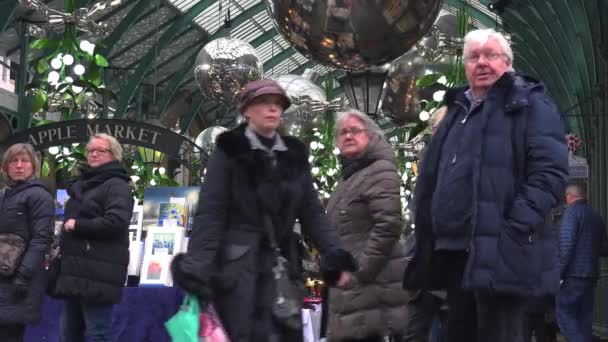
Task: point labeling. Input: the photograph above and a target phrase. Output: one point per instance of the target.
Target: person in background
(94, 244)
(27, 212)
(365, 209)
(437, 118)
(422, 306)
(494, 169)
(582, 239)
(256, 175)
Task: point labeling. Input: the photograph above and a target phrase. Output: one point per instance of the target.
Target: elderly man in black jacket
(582, 239)
(493, 171)
(95, 244)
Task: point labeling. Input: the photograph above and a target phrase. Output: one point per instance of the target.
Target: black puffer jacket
(95, 255)
(26, 210)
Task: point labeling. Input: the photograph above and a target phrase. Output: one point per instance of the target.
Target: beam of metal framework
(279, 57)
(178, 26)
(147, 35)
(239, 19)
(263, 38)
(23, 101)
(186, 120)
(133, 17)
(7, 11)
(176, 81)
(196, 46)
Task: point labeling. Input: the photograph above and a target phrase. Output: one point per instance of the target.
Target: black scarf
(96, 176)
(351, 166)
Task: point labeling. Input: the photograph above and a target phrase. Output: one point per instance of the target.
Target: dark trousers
(81, 319)
(12, 332)
(538, 327)
(478, 316)
(575, 309)
(422, 308)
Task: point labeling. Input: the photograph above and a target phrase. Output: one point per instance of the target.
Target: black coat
(95, 255)
(519, 174)
(27, 210)
(228, 251)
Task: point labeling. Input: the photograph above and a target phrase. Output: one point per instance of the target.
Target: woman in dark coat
(254, 171)
(26, 209)
(366, 211)
(95, 244)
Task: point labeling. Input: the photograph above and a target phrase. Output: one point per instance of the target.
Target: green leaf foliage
(39, 101)
(101, 61)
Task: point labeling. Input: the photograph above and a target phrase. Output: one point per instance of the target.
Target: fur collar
(236, 145)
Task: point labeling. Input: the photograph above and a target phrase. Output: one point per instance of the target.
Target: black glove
(194, 284)
(21, 286)
(336, 262)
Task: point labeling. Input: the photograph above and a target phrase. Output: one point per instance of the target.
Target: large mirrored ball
(353, 34)
(224, 66)
(403, 100)
(305, 96)
(207, 138)
(441, 39)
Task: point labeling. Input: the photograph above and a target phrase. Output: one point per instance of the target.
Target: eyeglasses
(352, 131)
(490, 57)
(97, 150)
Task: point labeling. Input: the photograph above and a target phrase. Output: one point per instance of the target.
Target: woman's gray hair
(16, 150)
(482, 36)
(115, 147)
(371, 127)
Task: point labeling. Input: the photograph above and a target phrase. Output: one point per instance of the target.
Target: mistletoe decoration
(69, 75)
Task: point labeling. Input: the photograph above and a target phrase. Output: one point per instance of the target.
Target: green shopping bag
(184, 325)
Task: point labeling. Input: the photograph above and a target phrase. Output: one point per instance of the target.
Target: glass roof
(212, 19)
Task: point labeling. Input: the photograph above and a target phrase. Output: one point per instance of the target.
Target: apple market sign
(173, 145)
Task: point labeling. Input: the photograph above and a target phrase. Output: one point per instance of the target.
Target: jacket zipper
(471, 249)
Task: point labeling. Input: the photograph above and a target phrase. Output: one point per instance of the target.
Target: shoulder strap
(270, 233)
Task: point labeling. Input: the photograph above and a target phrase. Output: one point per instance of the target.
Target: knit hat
(258, 88)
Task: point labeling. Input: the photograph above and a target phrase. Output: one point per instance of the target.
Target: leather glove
(193, 283)
(334, 263)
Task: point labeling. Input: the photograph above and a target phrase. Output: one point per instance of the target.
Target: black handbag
(12, 248)
(289, 294)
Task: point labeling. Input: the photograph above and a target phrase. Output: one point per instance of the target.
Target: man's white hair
(481, 37)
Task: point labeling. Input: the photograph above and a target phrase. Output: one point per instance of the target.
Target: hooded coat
(95, 255)
(27, 210)
(366, 212)
(520, 166)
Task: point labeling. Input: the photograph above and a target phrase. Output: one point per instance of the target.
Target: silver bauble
(304, 94)
(442, 38)
(403, 100)
(207, 138)
(353, 34)
(224, 66)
